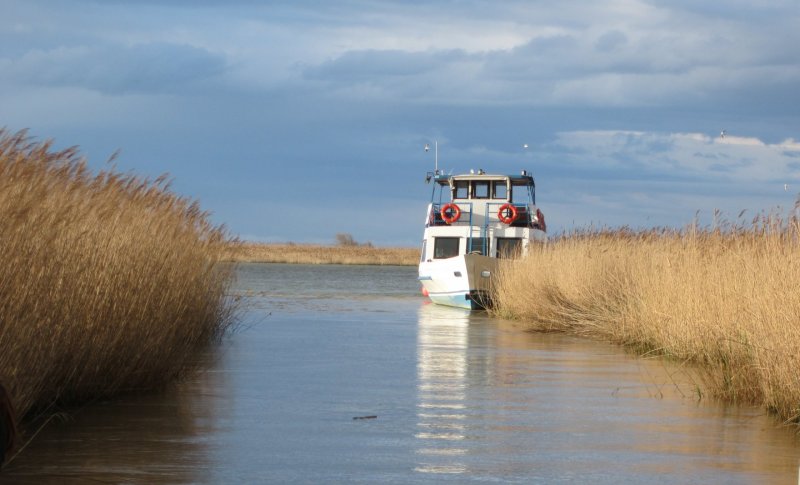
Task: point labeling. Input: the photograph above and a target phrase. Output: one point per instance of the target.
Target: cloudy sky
(297, 120)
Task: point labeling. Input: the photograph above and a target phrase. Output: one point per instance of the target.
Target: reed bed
(319, 254)
(109, 283)
(725, 300)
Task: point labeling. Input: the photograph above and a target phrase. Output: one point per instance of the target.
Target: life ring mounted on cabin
(450, 213)
(507, 213)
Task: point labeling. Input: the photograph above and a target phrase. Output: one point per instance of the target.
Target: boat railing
(524, 217)
(465, 218)
(489, 216)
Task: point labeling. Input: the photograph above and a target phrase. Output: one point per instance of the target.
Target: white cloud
(789, 144)
(739, 140)
(618, 177)
(696, 155)
(374, 74)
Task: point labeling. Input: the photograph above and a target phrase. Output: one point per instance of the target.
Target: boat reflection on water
(471, 405)
(494, 401)
(442, 373)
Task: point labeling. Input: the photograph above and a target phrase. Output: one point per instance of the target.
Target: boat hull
(461, 281)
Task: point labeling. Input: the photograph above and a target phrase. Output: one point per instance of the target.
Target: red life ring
(540, 219)
(445, 213)
(511, 217)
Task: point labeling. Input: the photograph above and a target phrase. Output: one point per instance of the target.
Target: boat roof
(523, 179)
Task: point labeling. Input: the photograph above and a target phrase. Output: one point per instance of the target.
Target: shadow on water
(153, 438)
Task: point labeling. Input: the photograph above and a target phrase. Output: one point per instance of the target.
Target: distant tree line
(347, 240)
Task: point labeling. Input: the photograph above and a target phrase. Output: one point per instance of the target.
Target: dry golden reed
(725, 299)
(108, 282)
(318, 254)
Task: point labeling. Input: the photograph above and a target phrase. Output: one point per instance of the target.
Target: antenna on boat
(436, 154)
(435, 159)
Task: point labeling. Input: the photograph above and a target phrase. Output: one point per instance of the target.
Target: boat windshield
(480, 189)
(461, 190)
(499, 189)
(511, 188)
(521, 193)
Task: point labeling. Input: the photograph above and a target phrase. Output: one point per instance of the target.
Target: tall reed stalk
(108, 282)
(725, 299)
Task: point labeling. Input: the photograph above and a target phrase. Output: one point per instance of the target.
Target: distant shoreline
(293, 253)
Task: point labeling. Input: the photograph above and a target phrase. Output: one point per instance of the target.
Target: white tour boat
(474, 220)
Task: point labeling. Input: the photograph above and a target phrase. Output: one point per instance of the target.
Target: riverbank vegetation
(725, 300)
(321, 254)
(108, 282)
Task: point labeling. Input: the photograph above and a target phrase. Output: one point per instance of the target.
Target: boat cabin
(479, 213)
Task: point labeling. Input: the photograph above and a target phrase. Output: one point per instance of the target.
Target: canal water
(344, 374)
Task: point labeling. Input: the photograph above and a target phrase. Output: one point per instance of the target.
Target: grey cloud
(709, 156)
(611, 41)
(550, 45)
(746, 10)
(718, 167)
(375, 65)
(115, 69)
(649, 145)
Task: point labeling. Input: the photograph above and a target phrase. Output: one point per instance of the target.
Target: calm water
(458, 397)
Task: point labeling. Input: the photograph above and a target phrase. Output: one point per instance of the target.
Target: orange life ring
(540, 219)
(446, 217)
(511, 217)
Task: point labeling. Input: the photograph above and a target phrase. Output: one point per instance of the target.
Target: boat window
(481, 190)
(520, 194)
(445, 247)
(462, 190)
(424, 247)
(477, 245)
(509, 247)
(499, 189)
